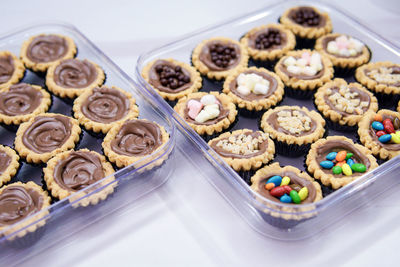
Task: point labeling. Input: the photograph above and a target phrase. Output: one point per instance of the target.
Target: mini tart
(184, 80)
(19, 201)
(387, 72)
(202, 57)
(11, 69)
(21, 102)
(302, 81)
(322, 147)
(320, 25)
(130, 141)
(9, 164)
(41, 51)
(227, 115)
(260, 47)
(342, 61)
(73, 171)
(71, 77)
(300, 178)
(369, 139)
(282, 132)
(98, 109)
(329, 97)
(255, 101)
(239, 156)
(45, 136)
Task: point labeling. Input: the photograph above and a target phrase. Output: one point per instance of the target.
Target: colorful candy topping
(242, 144)
(385, 75)
(205, 109)
(347, 101)
(345, 46)
(252, 83)
(342, 162)
(387, 130)
(294, 121)
(287, 192)
(309, 64)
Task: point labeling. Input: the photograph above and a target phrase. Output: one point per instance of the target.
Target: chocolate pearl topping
(307, 17)
(222, 55)
(268, 39)
(172, 77)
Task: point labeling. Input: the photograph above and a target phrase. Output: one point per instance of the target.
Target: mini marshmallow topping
(309, 64)
(205, 109)
(252, 83)
(345, 46)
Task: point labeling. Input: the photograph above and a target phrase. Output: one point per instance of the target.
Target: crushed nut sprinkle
(385, 75)
(294, 121)
(347, 101)
(242, 144)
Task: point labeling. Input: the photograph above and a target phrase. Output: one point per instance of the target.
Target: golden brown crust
(19, 70)
(246, 164)
(194, 77)
(329, 179)
(98, 127)
(61, 193)
(343, 62)
(297, 83)
(260, 104)
(218, 75)
(336, 116)
(291, 139)
(72, 92)
(269, 54)
(366, 138)
(12, 168)
(42, 108)
(201, 129)
(29, 223)
(372, 84)
(123, 160)
(277, 210)
(43, 66)
(33, 157)
(307, 32)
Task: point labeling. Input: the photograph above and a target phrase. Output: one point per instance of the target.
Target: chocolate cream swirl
(6, 68)
(21, 99)
(47, 48)
(75, 73)
(5, 161)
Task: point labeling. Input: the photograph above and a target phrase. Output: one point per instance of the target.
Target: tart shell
(11, 169)
(19, 70)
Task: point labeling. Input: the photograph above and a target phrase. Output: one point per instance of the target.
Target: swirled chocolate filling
(47, 48)
(5, 161)
(46, 134)
(21, 99)
(106, 105)
(78, 170)
(75, 73)
(137, 138)
(218, 56)
(6, 68)
(168, 77)
(17, 203)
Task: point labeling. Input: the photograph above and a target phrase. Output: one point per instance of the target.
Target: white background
(171, 227)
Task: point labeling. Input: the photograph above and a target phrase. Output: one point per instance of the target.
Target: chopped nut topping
(384, 75)
(294, 121)
(347, 101)
(242, 144)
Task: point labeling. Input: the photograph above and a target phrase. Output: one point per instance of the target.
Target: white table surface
(171, 227)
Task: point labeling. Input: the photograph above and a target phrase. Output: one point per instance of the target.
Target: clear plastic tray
(64, 219)
(249, 204)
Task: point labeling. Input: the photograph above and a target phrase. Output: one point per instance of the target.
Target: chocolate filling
(6, 68)
(262, 147)
(218, 56)
(223, 113)
(106, 105)
(336, 146)
(267, 39)
(20, 99)
(307, 17)
(46, 134)
(388, 146)
(78, 170)
(396, 70)
(294, 179)
(273, 121)
(302, 76)
(325, 42)
(75, 73)
(173, 79)
(137, 138)
(47, 48)
(252, 96)
(5, 161)
(17, 203)
(363, 96)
